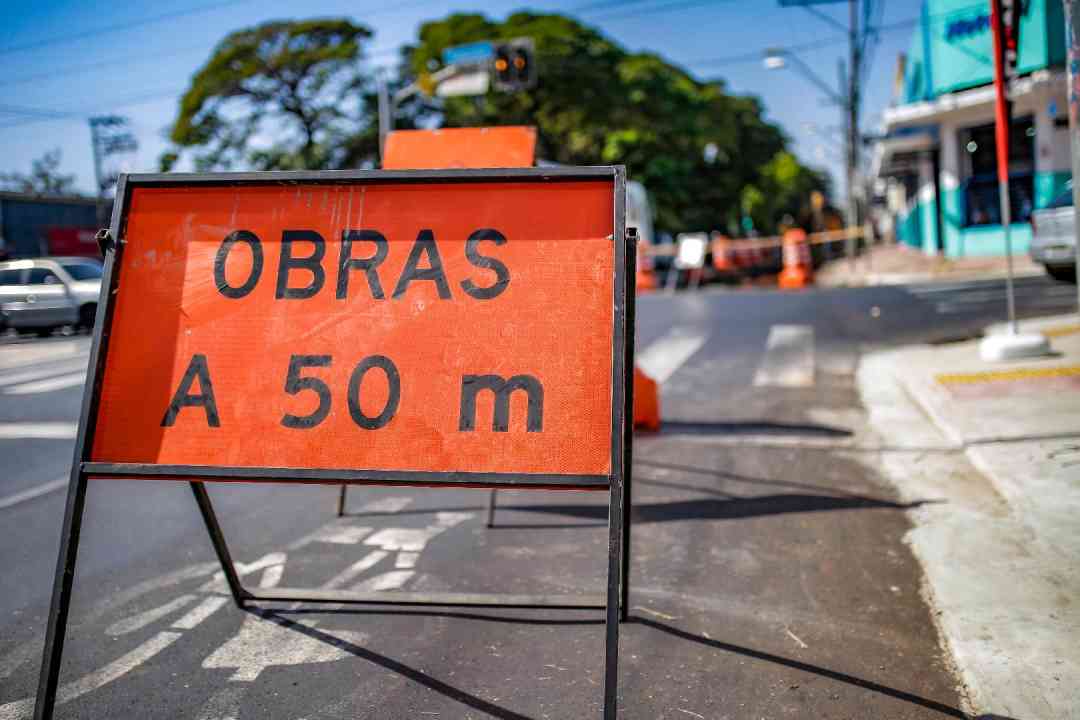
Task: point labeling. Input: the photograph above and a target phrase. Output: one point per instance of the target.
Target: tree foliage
(596, 103)
(782, 188)
(277, 96)
(45, 177)
(286, 95)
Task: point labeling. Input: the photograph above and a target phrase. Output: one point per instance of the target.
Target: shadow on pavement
(406, 671)
(735, 477)
(497, 711)
(805, 667)
(678, 427)
(710, 509)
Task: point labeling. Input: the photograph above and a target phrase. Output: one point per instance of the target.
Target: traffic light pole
(853, 130)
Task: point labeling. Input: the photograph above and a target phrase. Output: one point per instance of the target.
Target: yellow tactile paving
(1061, 330)
(1014, 374)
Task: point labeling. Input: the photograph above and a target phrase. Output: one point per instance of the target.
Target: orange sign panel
(449, 325)
(483, 147)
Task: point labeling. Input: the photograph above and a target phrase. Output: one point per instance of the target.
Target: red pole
(1004, 50)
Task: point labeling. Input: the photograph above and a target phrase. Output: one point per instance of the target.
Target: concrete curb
(909, 278)
(998, 550)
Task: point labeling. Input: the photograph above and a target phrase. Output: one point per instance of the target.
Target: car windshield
(83, 270)
(1064, 198)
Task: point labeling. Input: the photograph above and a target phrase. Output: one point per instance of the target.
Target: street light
(778, 59)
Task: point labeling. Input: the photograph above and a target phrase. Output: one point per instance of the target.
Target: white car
(1053, 236)
(41, 294)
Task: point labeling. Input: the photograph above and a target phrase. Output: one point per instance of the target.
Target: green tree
(282, 95)
(44, 178)
(693, 145)
(783, 188)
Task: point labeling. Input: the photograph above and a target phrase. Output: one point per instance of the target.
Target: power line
(86, 67)
(46, 41)
(35, 115)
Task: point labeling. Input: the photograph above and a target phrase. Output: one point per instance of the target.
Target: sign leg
(611, 613)
(61, 596)
(217, 539)
(341, 501)
(491, 508)
(628, 415)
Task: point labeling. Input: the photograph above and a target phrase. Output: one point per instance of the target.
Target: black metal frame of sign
(617, 482)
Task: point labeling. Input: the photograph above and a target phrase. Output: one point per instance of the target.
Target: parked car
(42, 294)
(1053, 236)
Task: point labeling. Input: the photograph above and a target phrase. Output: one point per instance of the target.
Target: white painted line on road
(393, 580)
(663, 357)
(38, 430)
(140, 620)
(406, 560)
(348, 574)
(40, 373)
(789, 358)
(392, 504)
(41, 386)
(21, 709)
(200, 612)
(34, 492)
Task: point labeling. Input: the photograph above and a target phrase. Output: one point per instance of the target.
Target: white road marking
(406, 560)
(341, 535)
(19, 356)
(225, 704)
(141, 620)
(21, 709)
(398, 539)
(34, 492)
(264, 642)
(788, 359)
(217, 583)
(43, 386)
(38, 430)
(393, 580)
(367, 562)
(200, 612)
(39, 373)
(663, 357)
(387, 505)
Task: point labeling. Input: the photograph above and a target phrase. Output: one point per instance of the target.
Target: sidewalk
(996, 451)
(895, 264)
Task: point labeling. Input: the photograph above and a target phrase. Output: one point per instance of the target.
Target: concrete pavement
(771, 578)
(999, 546)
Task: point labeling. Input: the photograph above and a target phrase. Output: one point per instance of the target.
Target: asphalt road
(770, 578)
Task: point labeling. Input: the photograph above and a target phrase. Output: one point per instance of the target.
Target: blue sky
(59, 67)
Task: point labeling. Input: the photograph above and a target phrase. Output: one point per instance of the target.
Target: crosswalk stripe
(34, 492)
(663, 357)
(788, 359)
(41, 386)
(37, 430)
(40, 373)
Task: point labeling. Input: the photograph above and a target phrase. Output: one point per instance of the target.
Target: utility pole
(853, 128)
(1072, 40)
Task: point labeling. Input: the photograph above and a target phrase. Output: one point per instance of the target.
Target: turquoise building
(936, 162)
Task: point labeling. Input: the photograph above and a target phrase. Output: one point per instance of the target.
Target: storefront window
(978, 151)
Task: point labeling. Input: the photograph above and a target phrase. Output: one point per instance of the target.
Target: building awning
(896, 153)
(931, 111)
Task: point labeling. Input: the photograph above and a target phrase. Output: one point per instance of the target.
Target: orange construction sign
(431, 327)
(484, 147)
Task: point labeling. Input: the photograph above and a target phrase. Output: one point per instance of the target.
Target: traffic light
(514, 68)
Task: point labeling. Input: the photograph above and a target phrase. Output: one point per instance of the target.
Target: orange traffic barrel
(723, 255)
(645, 278)
(646, 402)
(798, 270)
